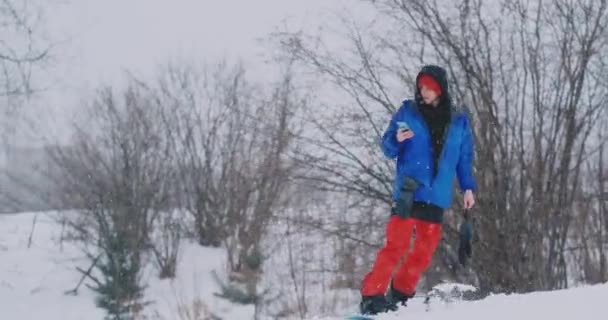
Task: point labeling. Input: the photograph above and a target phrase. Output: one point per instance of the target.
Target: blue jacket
(415, 159)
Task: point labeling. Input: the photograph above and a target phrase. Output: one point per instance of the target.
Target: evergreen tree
(120, 292)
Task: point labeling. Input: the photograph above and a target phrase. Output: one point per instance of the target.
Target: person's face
(428, 96)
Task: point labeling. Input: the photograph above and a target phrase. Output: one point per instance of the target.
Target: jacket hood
(440, 75)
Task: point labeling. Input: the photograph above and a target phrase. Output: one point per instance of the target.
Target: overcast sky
(97, 39)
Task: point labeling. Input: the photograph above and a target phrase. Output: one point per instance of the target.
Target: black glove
(465, 248)
(403, 205)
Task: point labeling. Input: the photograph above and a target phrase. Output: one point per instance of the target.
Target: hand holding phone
(404, 131)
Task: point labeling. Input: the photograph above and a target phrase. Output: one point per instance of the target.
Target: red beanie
(429, 82)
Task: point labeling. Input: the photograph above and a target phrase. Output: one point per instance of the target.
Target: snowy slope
(33, 280)
(587, 303)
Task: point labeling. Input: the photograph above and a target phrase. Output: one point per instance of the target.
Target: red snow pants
(405, 276)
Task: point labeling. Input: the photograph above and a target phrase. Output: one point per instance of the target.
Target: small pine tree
(120, 292)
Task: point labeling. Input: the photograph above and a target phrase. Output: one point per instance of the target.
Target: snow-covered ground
(33, 281)
(578, 303)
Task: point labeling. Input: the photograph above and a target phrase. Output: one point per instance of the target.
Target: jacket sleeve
(389, 143)
(464, 168)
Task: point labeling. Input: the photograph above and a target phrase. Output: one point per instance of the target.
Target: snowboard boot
(371, 305)
(396, 298)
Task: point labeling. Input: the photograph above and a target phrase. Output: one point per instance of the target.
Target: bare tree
(232, 139)
(116, 176)
(20, 48)
(165, 242)
(531, 74)
(589, 249)
(23, 53)
(195, 121)
(535, 116)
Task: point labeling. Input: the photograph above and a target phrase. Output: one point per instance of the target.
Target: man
(432, 142)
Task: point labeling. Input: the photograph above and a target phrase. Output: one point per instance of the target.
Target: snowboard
(359, 317)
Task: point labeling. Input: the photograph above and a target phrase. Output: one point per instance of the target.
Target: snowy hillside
(578, 303)
(33, 280)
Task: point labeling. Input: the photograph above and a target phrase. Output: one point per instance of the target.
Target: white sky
(96, 40)
(138, 34)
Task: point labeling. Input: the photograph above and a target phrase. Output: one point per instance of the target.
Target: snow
(585, 302)
(449, 287)
(33, 280)
(194, 280)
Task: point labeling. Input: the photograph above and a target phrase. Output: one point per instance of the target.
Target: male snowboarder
(432, 142)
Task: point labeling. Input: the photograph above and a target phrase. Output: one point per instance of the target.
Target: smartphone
(403, 125)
